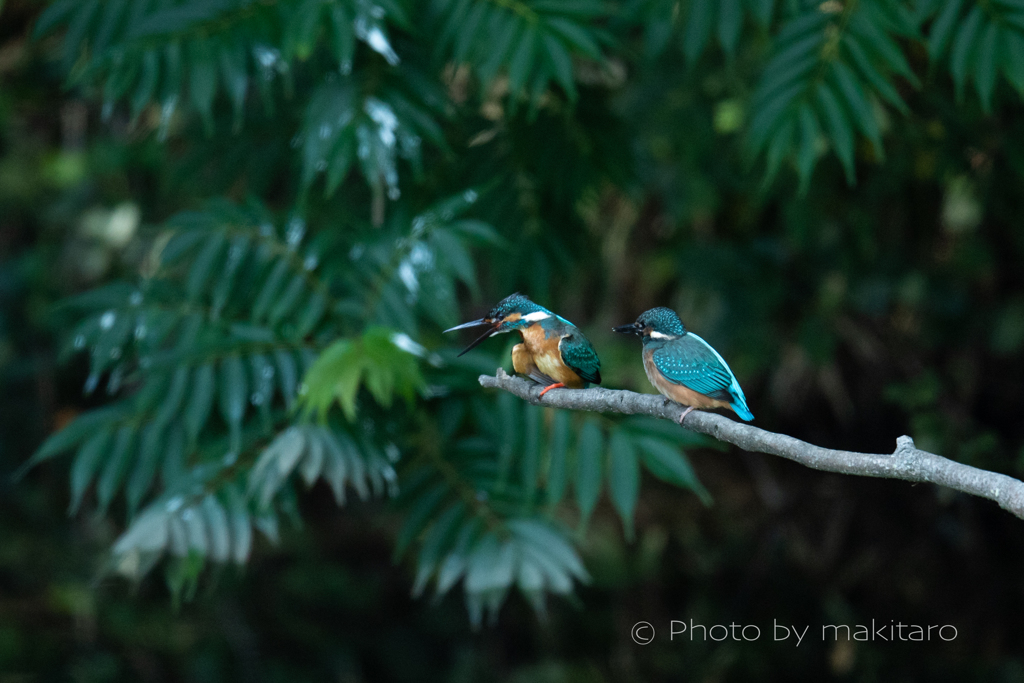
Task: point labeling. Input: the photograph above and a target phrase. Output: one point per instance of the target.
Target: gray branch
(907, 462)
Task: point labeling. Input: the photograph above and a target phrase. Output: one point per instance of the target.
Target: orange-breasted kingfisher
(684, 367)
(554, 352)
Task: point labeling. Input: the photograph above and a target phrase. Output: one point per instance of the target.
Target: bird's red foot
(556, 385)
(685, 413)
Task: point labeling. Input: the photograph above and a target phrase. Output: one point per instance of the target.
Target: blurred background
(857, 295)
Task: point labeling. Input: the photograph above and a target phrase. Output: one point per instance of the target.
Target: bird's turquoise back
(580, 356)
(693, 363)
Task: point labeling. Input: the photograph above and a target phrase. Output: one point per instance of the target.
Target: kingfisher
(684, 367)
(554, 352)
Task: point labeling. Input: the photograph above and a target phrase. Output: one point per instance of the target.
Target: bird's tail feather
(739, 406)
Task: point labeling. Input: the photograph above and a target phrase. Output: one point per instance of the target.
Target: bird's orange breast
(677, 392)
(542, 348)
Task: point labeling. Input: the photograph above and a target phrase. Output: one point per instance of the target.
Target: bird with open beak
(553, 352)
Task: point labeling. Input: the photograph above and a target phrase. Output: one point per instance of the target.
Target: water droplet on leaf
(296, 230)
(107, 320)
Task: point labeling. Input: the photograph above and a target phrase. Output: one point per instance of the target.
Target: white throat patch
(662, 335)
(536, 315)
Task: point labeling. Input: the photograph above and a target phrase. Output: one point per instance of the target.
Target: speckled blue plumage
(684, 358)
(515, 303)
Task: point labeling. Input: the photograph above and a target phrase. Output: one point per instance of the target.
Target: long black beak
(627, 329)
(471, 323)
(493, 329)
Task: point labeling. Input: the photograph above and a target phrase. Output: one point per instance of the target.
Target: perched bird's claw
(556, 385)
(685, 413)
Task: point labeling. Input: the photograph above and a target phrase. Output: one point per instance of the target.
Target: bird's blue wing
(580, 356)
(690, 361)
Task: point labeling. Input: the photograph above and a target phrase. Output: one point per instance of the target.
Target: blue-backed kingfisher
(684, 367)
(554, 352)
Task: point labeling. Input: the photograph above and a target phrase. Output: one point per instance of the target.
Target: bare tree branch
(906, 462)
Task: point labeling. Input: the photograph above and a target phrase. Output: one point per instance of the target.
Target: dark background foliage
(860, 270)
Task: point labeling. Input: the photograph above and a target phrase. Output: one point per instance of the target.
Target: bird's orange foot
(685, 413)
(556, 385)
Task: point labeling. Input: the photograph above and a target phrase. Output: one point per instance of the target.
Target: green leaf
(561, 64)
(336, 466)
(287, 375)
(558, 457)
(205, 263)
(468, 31)
(286, 303)
(623, 478)
(730, 21)
(490, 571)
(667, 463)
(522, 60)
(234, 68)
(80, 23)
(542, 537)
(86, 424)
(578, 36)
(506, 36)
(148, 533)
(1013, 64)
(839, 127)
(418, 517)
(87, 461)
(698, 28)
(942, 29)
(173, 469)
(241, 526)
(344, 38)
(202, 81)
(878, 42)
(311, 314)
(200, 401)
(276, 463)
(985, 69)
(174, 396)
(530, 463)
(146, 87)
(113, 13)
(807, 155)
(858, 103)
(964, 49)
(116, 466)
(181, 243)
(778, 147)
(312, 465)
(881, 85)
(218, 530)
(234, 394)
(55, 13)
(454, 564)
(438, 537)
(762, 10)
(589, 475)
(145, 466)
(269, 290)
(222, 291)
